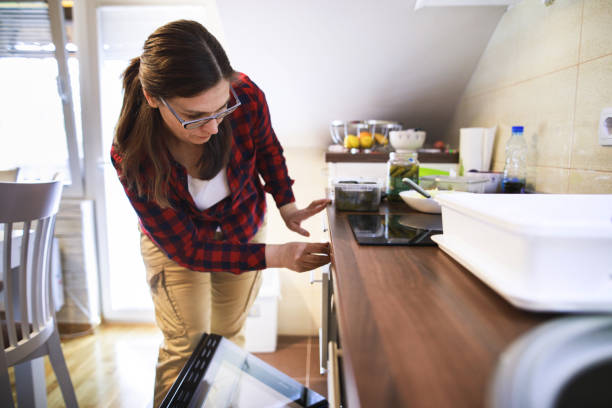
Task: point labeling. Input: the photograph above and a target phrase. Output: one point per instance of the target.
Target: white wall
(322, 60)
(300, 303)
(318, 61)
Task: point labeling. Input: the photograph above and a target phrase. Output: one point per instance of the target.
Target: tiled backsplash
(550, 70)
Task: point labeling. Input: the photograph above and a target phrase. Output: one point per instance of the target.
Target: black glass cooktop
(395, 229)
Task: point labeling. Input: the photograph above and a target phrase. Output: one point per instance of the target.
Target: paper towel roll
(470, 149)
(475, 148)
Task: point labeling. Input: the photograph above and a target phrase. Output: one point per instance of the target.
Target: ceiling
(355, 59)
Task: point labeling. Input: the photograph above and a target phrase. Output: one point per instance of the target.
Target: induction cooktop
(395, 229)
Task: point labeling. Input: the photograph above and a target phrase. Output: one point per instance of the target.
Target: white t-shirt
(207, 193)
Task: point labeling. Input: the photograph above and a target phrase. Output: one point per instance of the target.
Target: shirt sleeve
(270, 160)
(176, 234)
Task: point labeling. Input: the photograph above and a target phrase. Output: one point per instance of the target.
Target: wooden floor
(115, 366)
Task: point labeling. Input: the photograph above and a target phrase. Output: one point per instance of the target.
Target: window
(39, 132)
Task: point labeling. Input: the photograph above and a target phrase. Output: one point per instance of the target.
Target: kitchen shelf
(453, 3)
(379, 157)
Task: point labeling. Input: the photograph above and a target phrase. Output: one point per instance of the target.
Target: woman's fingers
(295, 219)
(314, 261)
(323, 202)
(313, 256)
(298, 256)
(318, 248)
(295, 226)
(317, 206)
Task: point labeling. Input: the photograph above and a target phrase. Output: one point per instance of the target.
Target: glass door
(122, 31)
(219, 374)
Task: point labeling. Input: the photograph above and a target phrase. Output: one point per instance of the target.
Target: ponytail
(138, 140)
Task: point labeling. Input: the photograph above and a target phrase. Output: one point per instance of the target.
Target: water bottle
(515, 170)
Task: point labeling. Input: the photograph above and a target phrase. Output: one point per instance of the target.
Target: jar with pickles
(401, 165)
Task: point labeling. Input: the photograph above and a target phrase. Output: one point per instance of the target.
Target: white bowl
(420, 203)
(407, 140)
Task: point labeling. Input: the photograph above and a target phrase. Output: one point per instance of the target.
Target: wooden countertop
(416, 328)
(380, 157)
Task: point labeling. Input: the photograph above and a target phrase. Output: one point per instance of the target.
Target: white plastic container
(360, 194)
(541, 252)
(261, 327)
(472, 184)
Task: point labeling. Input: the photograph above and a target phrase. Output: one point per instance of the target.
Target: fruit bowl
(407, 140)
(362, 134)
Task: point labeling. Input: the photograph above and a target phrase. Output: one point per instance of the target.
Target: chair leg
(56, 357)
(6, 393)
(30, 383)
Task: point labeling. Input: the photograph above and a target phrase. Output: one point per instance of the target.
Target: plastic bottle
(515, 170)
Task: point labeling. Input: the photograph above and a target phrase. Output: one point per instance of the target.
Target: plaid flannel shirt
(185, 233)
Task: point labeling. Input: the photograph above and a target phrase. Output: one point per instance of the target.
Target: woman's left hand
(293, 216)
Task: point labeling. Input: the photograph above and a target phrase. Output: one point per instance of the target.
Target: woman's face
(204, 104)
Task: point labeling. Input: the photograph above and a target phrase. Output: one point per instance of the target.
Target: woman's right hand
(297, 256)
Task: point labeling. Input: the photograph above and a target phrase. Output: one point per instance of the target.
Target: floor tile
(319, 386)
(290, 359)
(292, 341)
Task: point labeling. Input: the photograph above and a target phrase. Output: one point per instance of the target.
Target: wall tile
(589, 182)
(593, 94)
(530, 75)
(551, 180)
(475, 111)
(596, 29)
(544, 106)
(530, 40)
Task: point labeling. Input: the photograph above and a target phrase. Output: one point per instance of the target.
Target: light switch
(605, 127)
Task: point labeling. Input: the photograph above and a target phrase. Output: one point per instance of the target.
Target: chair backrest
(25, 255)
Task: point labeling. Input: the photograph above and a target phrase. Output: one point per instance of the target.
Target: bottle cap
(517, 129)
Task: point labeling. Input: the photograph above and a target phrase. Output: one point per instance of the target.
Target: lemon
(351, 141)
(366, 141)
(381, 139)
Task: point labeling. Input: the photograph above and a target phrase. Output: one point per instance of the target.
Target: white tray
(494, 274)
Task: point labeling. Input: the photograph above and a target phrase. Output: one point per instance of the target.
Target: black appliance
(220, 374)
(395, 229)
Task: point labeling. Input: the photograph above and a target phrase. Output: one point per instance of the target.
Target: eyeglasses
(196, 123)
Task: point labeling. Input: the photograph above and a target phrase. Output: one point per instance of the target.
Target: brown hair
(182, 59)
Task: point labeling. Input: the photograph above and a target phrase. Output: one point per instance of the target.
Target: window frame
(58, 34)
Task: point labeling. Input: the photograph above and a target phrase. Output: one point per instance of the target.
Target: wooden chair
(29, 329)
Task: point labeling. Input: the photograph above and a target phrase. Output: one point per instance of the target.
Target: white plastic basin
(544, 252)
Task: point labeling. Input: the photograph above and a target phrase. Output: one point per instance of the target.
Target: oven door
(220, 374)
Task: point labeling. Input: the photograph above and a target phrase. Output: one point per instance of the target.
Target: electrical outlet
(605, 127)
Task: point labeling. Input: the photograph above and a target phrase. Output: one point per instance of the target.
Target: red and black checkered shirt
(185, 233)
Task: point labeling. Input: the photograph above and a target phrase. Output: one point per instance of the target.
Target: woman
(192, 141)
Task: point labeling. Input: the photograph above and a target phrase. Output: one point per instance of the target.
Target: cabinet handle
(312, 278)
(326, 270)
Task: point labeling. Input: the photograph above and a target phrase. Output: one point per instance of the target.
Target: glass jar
(401, 165)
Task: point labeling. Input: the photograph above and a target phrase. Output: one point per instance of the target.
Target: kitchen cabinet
(414, 328)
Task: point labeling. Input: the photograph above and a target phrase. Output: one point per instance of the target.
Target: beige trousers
(188, 303)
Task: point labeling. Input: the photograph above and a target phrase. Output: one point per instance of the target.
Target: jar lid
(403, 155)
